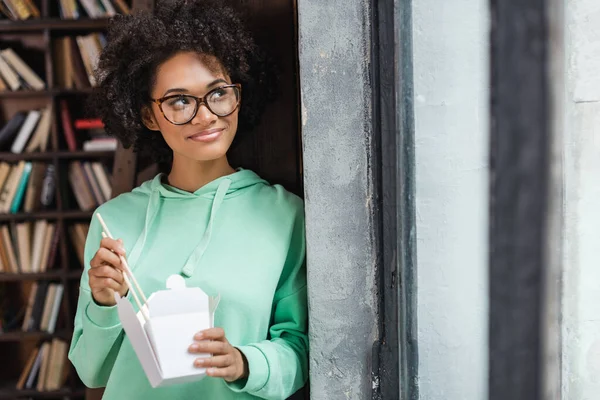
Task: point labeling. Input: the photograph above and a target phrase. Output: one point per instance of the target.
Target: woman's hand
(106, 272)
(226, 361)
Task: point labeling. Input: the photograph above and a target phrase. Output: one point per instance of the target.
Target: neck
(191, 175)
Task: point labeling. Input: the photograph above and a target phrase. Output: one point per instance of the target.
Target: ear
(148, 119)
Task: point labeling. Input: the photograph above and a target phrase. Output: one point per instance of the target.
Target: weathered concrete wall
(451, 89)
(336, 131)
(581, 275)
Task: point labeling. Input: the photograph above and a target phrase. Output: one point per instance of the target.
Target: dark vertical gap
(406, 192)
(519, 159)
(396, 363)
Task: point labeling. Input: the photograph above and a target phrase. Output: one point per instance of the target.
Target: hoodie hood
(217, 191)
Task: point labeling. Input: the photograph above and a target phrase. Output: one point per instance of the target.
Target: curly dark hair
(137, 44)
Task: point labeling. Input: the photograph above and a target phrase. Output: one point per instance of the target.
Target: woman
(182, 85)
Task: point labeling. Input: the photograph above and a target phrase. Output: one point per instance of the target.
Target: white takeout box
(161, 344)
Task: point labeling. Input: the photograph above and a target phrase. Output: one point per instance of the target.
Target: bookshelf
(35, 40)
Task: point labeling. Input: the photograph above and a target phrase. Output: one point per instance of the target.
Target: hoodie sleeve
(279, 367)
(97, 334)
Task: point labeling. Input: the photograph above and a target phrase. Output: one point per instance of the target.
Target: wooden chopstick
(106, 233)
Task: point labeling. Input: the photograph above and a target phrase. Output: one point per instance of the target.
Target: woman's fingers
(216, 361)
(113, 245)
(104, 283)
(107, 271)
(209, 347)
(105, 256)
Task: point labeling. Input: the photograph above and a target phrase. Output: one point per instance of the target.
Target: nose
(204, 116)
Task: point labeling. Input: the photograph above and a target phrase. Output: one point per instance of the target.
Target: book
(68, 131)
(88, 123)
(64, 61)
(81, 190)
(39, 138)
(55, 308)
(9, 75)
(10, 187)
(52, 250)
(93, 183)
(40, 385)
(104, 144)
(35, 369)
(22, 69)
(27, 320)
(23, 238)
(39, 237)
(38, 306)
(27, 370)
(34, 187)
(103, 180)
(7, 245)
(48, 187)
(48, 306)
(58, 360)
(20, 192)
(25, 131)
(4, 171)
(10, 130)
(47, 245)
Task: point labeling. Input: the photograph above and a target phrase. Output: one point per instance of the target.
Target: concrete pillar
(338, 175)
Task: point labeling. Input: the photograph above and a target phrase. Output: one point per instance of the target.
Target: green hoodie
(238, 237)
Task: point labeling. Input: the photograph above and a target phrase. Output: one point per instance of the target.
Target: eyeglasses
(179, 109)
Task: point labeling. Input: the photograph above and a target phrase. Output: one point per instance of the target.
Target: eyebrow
(182, 90)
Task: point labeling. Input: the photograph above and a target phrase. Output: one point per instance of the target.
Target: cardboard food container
(161, 343)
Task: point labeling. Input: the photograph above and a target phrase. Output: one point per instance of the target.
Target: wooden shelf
(49, 275)
(75, 214)
(53, 24)
(14, 394)
(18, 336)
(49, 155)
(21, 94)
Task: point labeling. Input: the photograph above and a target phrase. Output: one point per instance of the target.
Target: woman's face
(206, 136)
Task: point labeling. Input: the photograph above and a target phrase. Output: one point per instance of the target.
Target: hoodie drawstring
(196, 256)
(151, 211)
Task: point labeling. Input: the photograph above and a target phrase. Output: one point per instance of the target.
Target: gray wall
(336, 130)
(581, 275)
(451, 66)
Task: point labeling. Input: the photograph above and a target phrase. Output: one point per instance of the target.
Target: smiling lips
(208, 135)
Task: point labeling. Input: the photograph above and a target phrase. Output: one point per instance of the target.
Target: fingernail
(199, 363)
(199, 336)
(194, 347)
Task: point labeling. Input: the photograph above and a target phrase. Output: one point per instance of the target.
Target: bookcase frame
(123, 172)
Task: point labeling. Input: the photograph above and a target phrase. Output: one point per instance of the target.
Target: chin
(207, 153)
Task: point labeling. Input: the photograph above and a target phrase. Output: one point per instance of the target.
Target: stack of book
(28, 247)
(26, 186)
(19, 9)
(97, 140)
(43, 307)
(88, 133)
(76, 58)
(47, 367)
(70, 9)
(90, 183)
(27, 131)
(15, 74)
